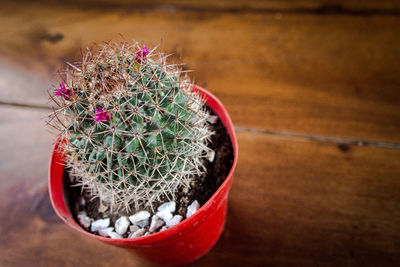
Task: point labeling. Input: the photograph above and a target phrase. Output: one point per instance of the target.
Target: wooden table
(313, 88)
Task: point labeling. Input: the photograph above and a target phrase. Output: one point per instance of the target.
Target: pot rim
(174, 229)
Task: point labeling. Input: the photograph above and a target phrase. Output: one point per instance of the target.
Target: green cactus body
(135, 131)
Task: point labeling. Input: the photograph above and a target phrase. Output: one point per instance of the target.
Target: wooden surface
(315, 97)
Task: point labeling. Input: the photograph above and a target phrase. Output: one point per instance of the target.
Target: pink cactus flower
(141, 55)
(64, 92)
(102, 115)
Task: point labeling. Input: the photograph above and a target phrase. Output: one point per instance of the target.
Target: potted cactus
(138, 147)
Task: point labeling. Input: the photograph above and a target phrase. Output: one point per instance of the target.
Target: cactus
(134, 130)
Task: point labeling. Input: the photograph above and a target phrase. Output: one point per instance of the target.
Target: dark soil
(201, 190)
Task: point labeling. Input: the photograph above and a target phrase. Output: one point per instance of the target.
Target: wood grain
(320, 75)
(293, 202)
(260, 6)
(314, 67)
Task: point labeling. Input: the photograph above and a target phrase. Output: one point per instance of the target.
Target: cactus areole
(133, 130)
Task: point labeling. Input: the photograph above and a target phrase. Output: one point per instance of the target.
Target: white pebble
(100, 224)
(138, 233)
(114, 235)
(106, 232)
(210, 155)
(163, 228)
(165, 215)
(192, 208)
(174, 221)
(147, 233)
(133, 228)
(168, 206)
(84, 220)
(121, 225)
(156, 222)
(212, 119)
(140, 218)
(82, 201)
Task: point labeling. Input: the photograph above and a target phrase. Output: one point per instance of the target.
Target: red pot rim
(227, 122)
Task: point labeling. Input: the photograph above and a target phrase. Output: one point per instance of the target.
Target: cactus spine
(135, 131)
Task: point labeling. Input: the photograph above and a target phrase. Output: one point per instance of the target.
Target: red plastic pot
(183, 243)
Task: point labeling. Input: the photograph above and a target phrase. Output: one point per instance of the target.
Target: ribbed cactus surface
(135, 131)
